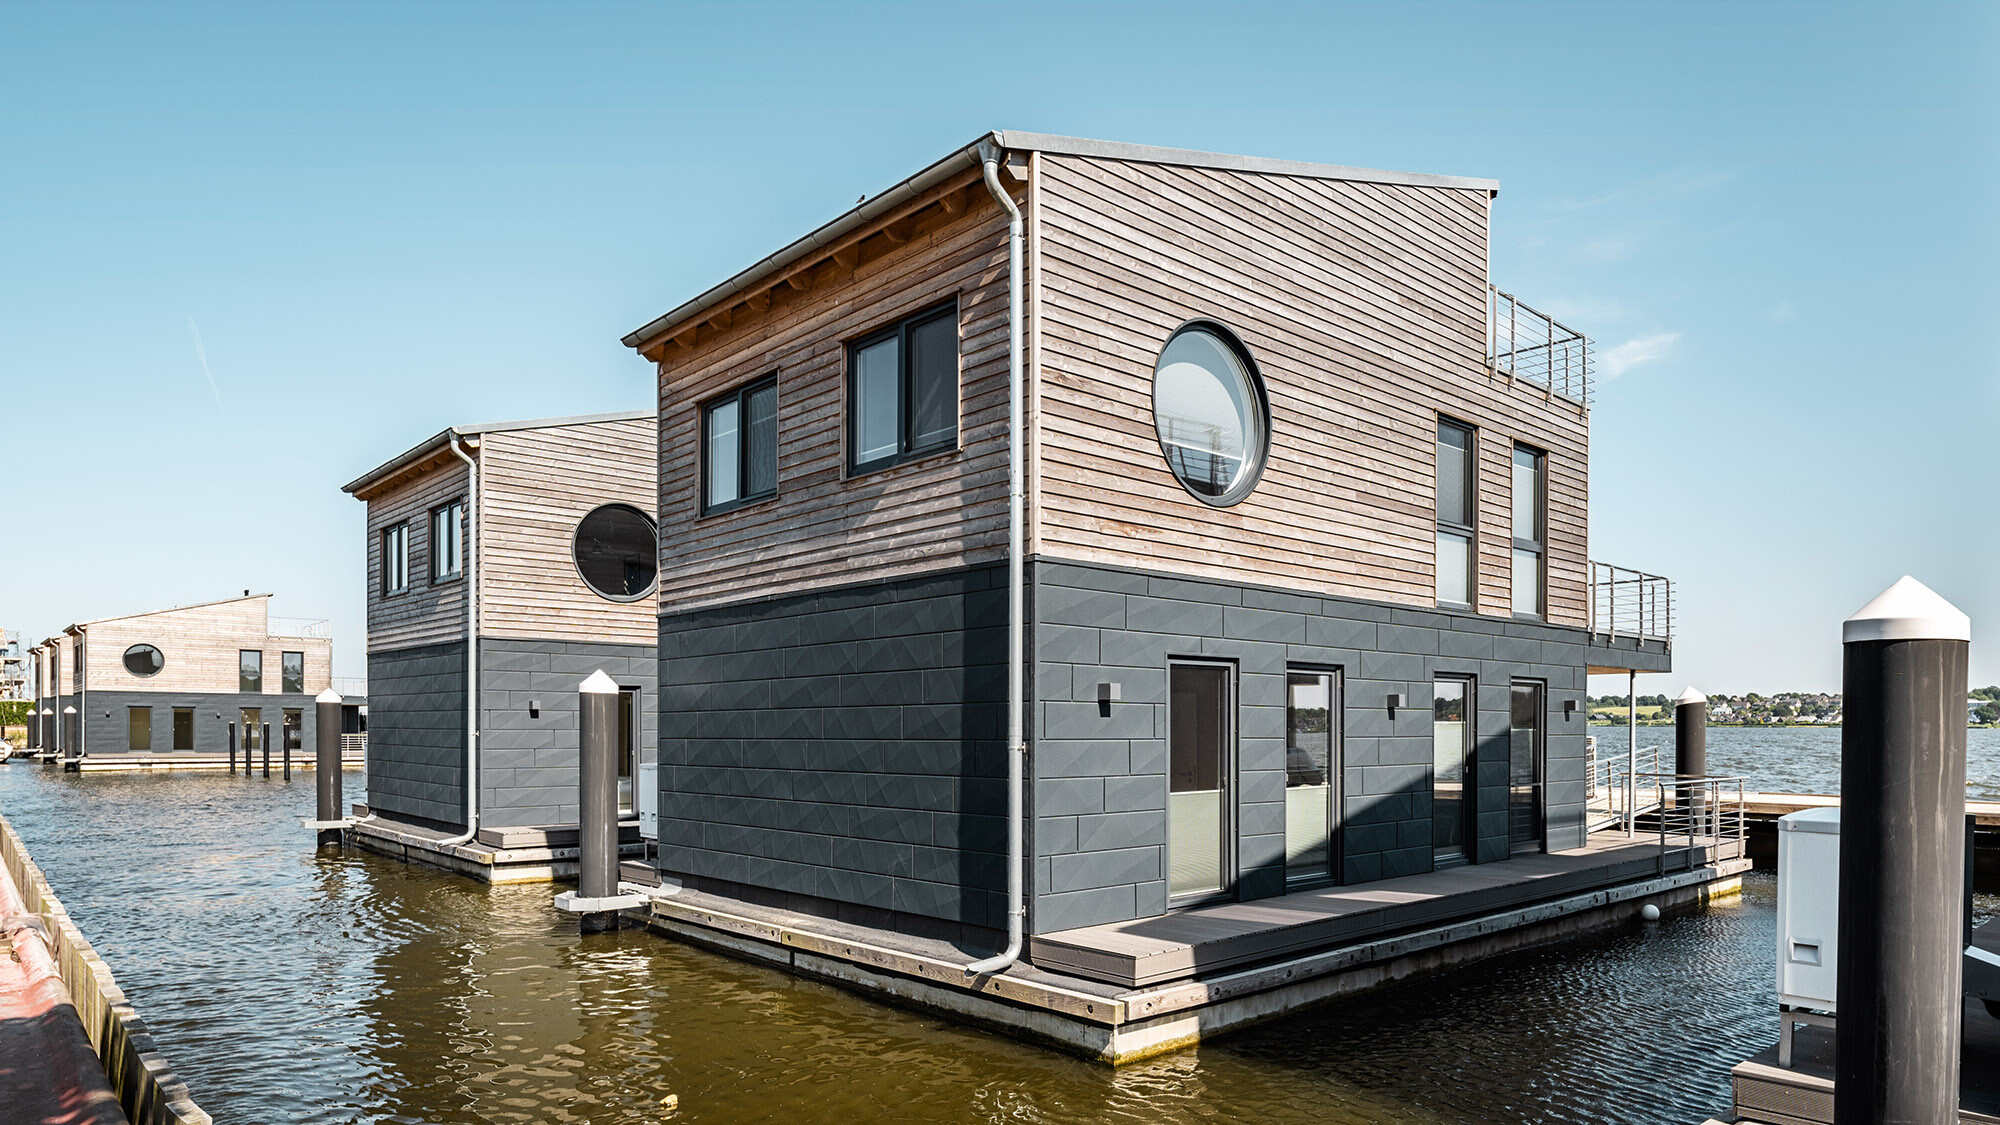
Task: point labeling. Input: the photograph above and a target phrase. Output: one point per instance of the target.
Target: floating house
(506, 562)
(191, 682)
(1128, 559)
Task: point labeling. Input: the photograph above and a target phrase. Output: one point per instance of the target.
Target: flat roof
(1016, 141)
(442, 439)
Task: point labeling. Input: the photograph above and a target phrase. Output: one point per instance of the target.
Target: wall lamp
(1569, 709)
(1395, 703)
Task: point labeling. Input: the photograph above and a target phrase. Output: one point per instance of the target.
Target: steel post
(597, 797)
(326, 717)
(263, 744)
(232, 749)
(1691, 755)
(1902, 784)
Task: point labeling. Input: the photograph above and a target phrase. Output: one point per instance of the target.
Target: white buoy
(1650, 912)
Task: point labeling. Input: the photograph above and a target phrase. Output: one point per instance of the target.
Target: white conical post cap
(599, 684)
(327, 696)
(69, 710)
(1907, 611)
(1690, 696)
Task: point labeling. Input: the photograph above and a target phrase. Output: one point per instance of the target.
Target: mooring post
(326, 714)
(288, 754)
(597, 797)
(232, 749)
(1902, 786)
(75, 749)
(1691, 756)
(264, 744)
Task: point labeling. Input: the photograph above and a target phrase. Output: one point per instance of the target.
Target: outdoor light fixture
(1395, 702)
(1569, 708)
(1110, 693)
(534, 708)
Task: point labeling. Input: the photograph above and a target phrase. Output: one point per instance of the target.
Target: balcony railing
(345, 686)
(1536, 348)
(299, 627)
(1630, 603)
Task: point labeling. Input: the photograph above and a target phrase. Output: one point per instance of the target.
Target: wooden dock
(189, 760)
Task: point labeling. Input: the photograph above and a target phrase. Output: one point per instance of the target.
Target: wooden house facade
(1306, 579)
(188, 680)
(505, 563)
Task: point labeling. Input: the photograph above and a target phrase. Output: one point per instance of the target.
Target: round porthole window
(144, 660)
(617, 552)
(1209, 410)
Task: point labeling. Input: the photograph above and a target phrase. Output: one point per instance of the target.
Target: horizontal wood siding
(1364, 307)
(823, 528)
(424, 613)
(535, 487)
(200, 646)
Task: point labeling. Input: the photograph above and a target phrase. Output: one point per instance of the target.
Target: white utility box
(1808, 908)
(647, 800)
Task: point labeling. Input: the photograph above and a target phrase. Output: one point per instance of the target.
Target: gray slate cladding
(109, 729)
(527, 764)
(416, 734)
(845, 745)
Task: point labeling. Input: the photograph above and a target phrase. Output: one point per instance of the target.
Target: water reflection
(347, 988)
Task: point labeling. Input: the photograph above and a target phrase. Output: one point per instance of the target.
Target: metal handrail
(1618, 781)
(1630, 603)
(298, 627)
(1536, 348)
(1710, 813)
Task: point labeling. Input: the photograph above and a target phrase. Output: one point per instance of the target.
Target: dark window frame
(284, 681)
(126, 659)
(1541, 783)
(576, 563)
(131, 729)
(1539, 545)
(240, 678)
(457, 573)
(901, 331)
(1468, 801)
(398, 533)
(741, 397)
(1228, 776)
(1469, 529)
(1336, 844)
(178, 712)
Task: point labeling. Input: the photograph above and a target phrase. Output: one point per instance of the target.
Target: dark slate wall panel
(416, 734)
(527, 762)
(108, 731)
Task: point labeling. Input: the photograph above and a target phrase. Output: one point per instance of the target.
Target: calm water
(1799, 759)
(289, 986)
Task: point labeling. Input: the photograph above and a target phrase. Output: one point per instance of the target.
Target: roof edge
(442, 438)
(1194, 158)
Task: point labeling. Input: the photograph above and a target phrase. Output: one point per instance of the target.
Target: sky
(248, 252)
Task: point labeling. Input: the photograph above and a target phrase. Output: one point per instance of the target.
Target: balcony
(1537, 349)
(1631, 621)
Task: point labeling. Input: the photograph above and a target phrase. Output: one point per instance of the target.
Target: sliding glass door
(1312, 777)
(1451, 752)
(1201, 752)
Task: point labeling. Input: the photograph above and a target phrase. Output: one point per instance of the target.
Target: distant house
(550, 521)
(183, 680)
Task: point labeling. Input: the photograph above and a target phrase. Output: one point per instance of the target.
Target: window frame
(454, 510)
(1468, 810)
(240, 688)
(1256, 454)
(126, 660)
(1336, 847)
(1229, 769)
(284, 682)
(132, 714)
(396, 562)
(901, 330)
(1469, 529)
(1539, 545)
(178, 712)
(1540, 751)
(576, 564)
(741, 397)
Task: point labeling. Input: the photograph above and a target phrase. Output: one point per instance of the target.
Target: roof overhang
(427, 455)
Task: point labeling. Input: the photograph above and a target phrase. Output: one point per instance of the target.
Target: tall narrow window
(292, 673)
(294, 720)
(1201, 739)
(1454, 514)
(1451, 791)
(396, 559)
(249, 670)
(183, 728)
(740, 447)
(1525, 735)
(448, 541)
(253, 735)
(628, 744)
(1530, 520)
(1312, 776)
(139, 728)
(902, 391)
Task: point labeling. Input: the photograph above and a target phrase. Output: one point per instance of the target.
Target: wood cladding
(535, 486)
(1362, 303)
(199, 645)
(426, 612)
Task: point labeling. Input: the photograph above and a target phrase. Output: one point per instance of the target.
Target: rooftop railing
(345, 686)
(299, 627)
(1536, 348)
(1630, 603)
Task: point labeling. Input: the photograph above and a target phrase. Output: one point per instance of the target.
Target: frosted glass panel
(1306, 823)
(1454, 568)
(1527, 581)
(1194, 845)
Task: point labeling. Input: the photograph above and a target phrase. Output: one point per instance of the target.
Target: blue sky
(249, 251)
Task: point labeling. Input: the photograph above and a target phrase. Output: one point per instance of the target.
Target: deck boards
(1204, 939)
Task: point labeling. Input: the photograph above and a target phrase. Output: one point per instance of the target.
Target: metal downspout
(471, 647)
(1017, 751)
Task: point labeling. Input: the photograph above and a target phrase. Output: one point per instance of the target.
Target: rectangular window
(448, 541)
(1451, 753)
(1526, 732)
(902, 391)
(1201, 738)
(1454, 514)
(1312, 776)
(249, 670)
(294, 720)
(628, 745)
(739, 434)
(292, 672)
(183, 728)
(396, 559)
(139, 728)
(1530, 492)
(253, 734)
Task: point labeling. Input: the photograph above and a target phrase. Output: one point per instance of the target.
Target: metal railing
(351, 744)
(1630, 603)
(344, 686)
(1706, 816)
(1618, 794)
(1536, 348)
(299, 627)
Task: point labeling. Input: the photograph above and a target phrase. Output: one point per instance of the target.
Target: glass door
(1526, 741)
(1200, 751)
(1312, 777)
(253, 738)
(1451, 744)
(628, 738)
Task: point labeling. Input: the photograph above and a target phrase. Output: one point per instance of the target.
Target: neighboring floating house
(1306, 594)
(545, 528)
(181, 681)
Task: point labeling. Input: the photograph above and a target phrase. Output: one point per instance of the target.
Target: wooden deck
(1200, 940)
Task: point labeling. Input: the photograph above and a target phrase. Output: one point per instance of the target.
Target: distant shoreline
(1761, 726)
